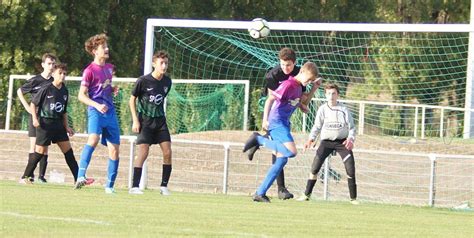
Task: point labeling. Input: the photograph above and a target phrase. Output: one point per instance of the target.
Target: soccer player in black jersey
(274, 77)
(32, 86)
(49, 117)
(149, 121)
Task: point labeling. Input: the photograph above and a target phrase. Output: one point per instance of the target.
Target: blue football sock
(86, 156)
(112, 172)
(275, 146)
(274, 171)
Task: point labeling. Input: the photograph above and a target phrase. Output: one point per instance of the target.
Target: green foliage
(30, 28)
(390, 121)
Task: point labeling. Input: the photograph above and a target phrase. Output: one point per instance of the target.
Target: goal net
(409, 89)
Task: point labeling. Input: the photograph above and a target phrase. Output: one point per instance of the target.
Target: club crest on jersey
(165, 89)
(65, 97)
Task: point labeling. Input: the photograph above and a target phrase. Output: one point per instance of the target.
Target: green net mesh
(422, 72)
(407, 68)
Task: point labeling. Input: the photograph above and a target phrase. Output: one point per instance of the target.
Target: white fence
(361, 109)
(208, 166)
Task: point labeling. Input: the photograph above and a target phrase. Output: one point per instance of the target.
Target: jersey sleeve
(280, 92)
(318, 124)
(284, 90)
(350, 121)
(170, 83)
(136, 91)
(39, 97)
(28, 86)
(271, 80)
(87, 77)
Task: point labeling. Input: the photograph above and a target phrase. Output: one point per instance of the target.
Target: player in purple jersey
(274, 77)
(32, 86)
(284, 100)
(96, 92)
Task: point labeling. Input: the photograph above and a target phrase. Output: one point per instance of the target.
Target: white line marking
(68, 219)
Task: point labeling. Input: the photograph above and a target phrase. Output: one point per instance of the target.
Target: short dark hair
(48, 56)
(160, 54)
(331, 86)
(287, 54)
(60, 66)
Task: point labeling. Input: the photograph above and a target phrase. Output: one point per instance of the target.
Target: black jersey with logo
(151, 94)
(275, 76)
(33, 85)
(51, 101)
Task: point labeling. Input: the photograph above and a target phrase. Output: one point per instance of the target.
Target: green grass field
(60, 211)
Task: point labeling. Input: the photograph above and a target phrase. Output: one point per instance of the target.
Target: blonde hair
(311, 68)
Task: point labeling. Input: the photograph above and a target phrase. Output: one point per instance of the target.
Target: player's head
(48, 60)
(308, 73)
(59, 72)
(160, 62)
(97, 46)
(331, 90)
(287, 58)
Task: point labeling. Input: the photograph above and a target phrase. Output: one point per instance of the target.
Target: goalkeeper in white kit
(336, 127)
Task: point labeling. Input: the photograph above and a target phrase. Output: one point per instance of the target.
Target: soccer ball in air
(259, 28)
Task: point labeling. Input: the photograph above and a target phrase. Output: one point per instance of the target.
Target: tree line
(30, 28)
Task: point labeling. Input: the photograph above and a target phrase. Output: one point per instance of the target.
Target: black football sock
(32, 163)
(32, 175)
(165, 177)
(309, 187)
(137, 175)
(352, 188)
(72, 163)
(43, 164)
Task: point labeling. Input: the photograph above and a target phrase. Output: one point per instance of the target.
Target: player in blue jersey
(276, 120)
(96, 92)
(149, 93)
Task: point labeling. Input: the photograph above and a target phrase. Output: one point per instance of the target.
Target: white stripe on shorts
(345, 158)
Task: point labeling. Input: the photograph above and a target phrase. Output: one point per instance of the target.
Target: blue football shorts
(281, 133)
(104, 124)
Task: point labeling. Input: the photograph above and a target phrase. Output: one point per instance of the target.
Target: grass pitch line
(67, 219)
